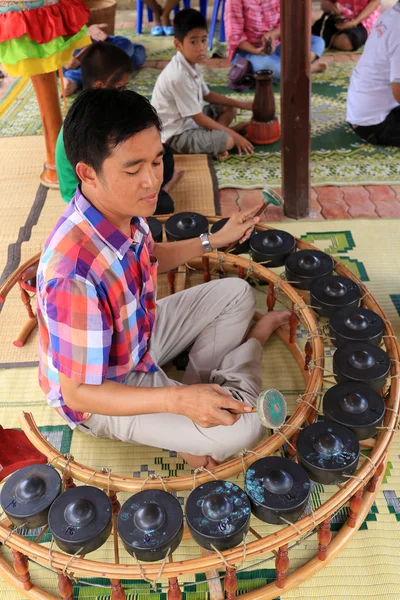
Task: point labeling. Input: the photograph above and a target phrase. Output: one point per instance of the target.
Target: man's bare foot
(268, 323)
(223, 155)
(177, 176)
(199, 461)
(318, 66)
(241, 128)
(70, 86)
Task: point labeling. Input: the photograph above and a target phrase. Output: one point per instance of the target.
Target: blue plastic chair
(213, 25)
(140, 6)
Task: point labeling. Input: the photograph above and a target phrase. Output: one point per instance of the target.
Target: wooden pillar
(295, 106)
(376, 476)
(65, 587)
(231, 583)
(174, 591)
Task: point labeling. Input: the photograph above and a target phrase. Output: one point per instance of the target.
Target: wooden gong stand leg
(307, 354)
(174, 591)
(26, 301)
(281, 566)
(293, 320)
(324, 538)
(22, 569)
(293, 440)
(65, 587)
(45, 87)
(355, 505)
(271, 296)
(376, 476)
(231, 583)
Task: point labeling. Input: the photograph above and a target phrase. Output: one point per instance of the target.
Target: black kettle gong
(218, 514)
(303, 266)
(27, 495)
(328, 452)
(356, 406)
(333, 292)
(150, 523)
(80, 519)
(361, 361)
(272, 247)
(239, 248)
(155, 229)
(277, 487)
(356, 325)
(185, 226)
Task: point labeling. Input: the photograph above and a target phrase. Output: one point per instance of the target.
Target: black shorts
(357, 35)
(386, 133)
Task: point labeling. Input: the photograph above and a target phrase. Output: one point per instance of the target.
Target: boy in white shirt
(195, 120)
(373, 101)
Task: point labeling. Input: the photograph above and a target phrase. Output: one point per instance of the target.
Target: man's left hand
(346, 25)
(237, 229)
(96, 32)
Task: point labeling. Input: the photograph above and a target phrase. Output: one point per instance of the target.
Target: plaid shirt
(249, 20)
(96, 300)
(352, 8)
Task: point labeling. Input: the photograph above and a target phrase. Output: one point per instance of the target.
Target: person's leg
(223, 311)
(341, 41)
(317, 47)
(202, 141)
(157, 10)
(351, 39)
(165, 17)
(136, 52)
(386, 133)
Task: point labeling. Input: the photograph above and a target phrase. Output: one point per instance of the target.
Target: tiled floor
(331, 202)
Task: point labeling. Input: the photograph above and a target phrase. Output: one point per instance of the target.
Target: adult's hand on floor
(208, 405)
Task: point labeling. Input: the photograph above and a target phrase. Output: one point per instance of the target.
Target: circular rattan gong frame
(352, 490)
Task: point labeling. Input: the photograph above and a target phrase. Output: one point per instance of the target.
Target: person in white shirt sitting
(373, 100)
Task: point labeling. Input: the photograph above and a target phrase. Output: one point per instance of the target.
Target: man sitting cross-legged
(103, 337)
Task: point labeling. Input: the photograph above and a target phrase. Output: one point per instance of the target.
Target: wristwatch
(205, 242)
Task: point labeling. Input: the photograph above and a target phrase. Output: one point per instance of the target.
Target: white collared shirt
(178, 94)
(370, 98)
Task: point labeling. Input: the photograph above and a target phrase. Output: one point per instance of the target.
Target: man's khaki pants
(215, 318)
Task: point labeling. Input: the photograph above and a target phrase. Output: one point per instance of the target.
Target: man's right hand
(242, 144)
(207, 404)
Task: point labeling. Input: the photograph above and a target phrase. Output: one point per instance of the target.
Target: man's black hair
(106, 63)
(102, 118)
(186, 20)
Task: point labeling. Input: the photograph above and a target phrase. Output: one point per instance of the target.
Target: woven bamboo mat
(368, 567)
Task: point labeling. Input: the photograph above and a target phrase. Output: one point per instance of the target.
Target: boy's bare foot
(199, 461)
(318, 66)
(223, 155)
(268, 323)
(241, 128)
(70, 86)
(177, 176)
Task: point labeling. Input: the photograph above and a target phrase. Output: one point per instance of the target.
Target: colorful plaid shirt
(96, 301)
(352, 8)
(249, 20)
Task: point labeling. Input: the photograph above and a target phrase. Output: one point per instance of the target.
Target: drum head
(150, 523)
(361, 361)
(305, 265)
(272, 247)
(218, 514)
(28, 494)
(356, 325)
(276, 487)
(185, 226)
(80, 519)
(333, 292)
